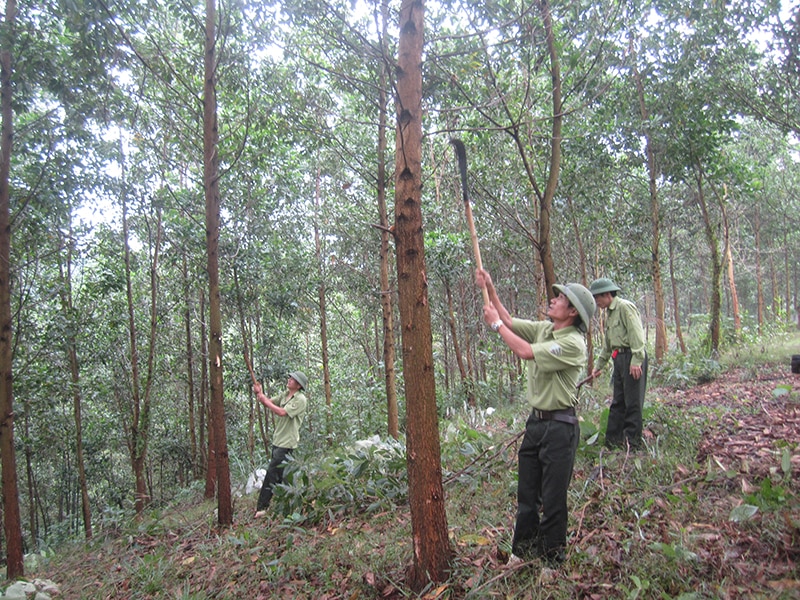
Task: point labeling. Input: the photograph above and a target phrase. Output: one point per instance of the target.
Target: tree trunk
(728, 258)
(655, 220)
(675, 304)
(206, 431)
(323, 311)
(584, 280)
(431, 548)
(248, 360)
(451, 322)
(387, 306)
(715, 298)
(187, 319)
(30, 475)
(786, 270)
(137, 430)
(65, 276)
(773, 277)
(12, 525)
(211, 185)
(759, 277)
(546, 201)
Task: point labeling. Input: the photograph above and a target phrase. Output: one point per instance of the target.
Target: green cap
(300, 378)
(581, 299)
(603, 285)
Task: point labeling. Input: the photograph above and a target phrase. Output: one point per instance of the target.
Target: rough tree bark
(12, 525)
(432, 552)
(211, 184)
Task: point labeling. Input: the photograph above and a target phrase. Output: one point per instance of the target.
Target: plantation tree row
(652, 142)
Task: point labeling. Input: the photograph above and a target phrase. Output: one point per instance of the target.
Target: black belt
(622, 350)
(566, 415)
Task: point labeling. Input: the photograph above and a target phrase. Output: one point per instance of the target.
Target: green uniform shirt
(559, 357)
(623, 330)
(287, 429)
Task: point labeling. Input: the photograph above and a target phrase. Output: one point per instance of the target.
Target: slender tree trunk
(137, 431)
(759, 276)
(773, 277)
(65, 276)
(206, 444)
(655, 220)
(728, 258)
(584, 280)
(323, 312)
(786, 259)
(715, 298)
(387, 306)
(451, 322)
(675, 303)
(248, 359)
(465, 299)
(211, 184)
(30, 475)
(431, 547)
(187, 319)
(12, 525)
(546, 201)
(151, 358)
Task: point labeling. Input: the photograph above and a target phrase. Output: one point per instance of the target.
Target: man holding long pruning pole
(555, 355)
(289, 409)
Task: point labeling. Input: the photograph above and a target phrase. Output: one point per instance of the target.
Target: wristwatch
(496, 325)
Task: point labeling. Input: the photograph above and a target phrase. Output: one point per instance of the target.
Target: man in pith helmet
(555, 356)
(624, 344)
(289, 409)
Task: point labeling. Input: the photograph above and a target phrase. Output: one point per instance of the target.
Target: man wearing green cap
(624, 343)
(554, 352)
(289, 409)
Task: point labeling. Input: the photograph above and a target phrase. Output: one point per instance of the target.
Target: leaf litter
(674, 539)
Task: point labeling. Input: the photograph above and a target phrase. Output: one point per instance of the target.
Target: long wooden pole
(461, 154)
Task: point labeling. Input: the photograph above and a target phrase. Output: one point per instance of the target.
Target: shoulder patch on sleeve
(555, 350)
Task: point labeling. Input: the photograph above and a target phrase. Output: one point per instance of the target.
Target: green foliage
(684, 370)
(150, 572)
(770, 496)
(367, 477)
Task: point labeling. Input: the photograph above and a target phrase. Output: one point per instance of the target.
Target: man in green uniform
(624, 344)
(554, 352)
(289, 409)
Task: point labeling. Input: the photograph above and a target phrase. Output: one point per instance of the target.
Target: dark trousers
(546, 459)
(274, 475)
(625, 414)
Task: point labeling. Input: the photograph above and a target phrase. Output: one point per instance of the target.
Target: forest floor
(724, 525)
